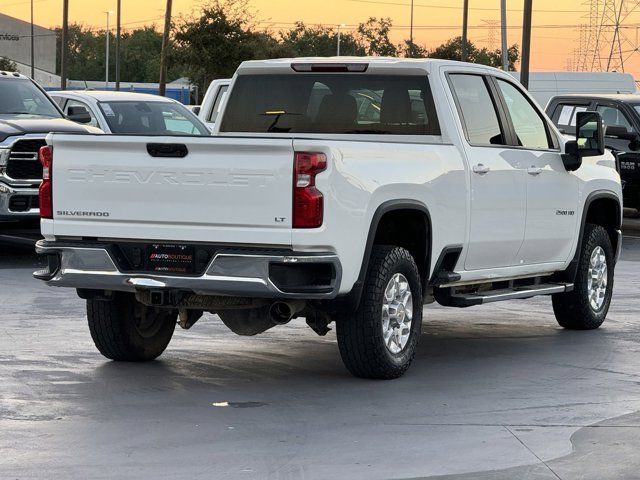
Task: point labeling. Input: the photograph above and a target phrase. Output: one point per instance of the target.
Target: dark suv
(621, 116)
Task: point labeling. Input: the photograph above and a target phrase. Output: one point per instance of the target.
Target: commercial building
(15, 44)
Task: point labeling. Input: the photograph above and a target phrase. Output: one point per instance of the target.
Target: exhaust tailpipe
(283, 312)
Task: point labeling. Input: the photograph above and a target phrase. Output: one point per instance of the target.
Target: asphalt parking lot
(496, 392)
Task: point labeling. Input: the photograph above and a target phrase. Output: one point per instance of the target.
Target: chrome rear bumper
(232, 273)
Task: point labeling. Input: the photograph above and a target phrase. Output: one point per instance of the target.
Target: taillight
(308, 203)
(45, 155)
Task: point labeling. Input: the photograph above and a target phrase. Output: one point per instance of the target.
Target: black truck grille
(23, 203)
(23, 161)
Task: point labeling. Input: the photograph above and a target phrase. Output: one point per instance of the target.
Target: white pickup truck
(347, 190)
(212, 102)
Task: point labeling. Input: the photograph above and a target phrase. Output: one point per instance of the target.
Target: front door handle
(534, 170)
(480, 169)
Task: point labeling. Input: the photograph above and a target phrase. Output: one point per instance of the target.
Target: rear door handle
(480, 169)
(534, 170)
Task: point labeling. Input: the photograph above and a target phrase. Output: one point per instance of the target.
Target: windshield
(331, 103)
(21, 98)
(151, 118)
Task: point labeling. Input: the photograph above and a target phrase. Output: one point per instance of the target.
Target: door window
(564, 116)
(529, 126)
(215, 111)
(478, 112)
(613, 117)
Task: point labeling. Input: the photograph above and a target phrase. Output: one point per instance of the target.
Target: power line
(455, 7)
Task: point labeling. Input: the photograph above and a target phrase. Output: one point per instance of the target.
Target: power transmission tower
(590, 45)
(581, 54)
(492, 33)
(604, 45)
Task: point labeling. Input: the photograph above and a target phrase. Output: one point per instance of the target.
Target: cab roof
(373, 64)
(620, 97)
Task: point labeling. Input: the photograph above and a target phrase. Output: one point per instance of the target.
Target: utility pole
(118, 46)
(33, 67)
(165, 46)
(526, 43)
(503, 31)
(64, 44)
(411, 32)
(465, 22)
(106, 63)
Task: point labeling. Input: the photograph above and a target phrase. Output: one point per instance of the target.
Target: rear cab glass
(331, 103)
(151, 118)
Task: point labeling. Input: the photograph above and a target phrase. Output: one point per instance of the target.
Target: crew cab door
(497, 180)
(551, 191)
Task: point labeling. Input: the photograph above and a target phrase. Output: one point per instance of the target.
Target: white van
(545, 85)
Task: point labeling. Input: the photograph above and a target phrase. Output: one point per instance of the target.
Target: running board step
(489, 296)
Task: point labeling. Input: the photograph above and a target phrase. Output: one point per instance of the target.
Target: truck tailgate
(225, 190)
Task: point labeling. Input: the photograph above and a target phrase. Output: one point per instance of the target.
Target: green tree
(373, 35)
(452, 50)
(319, 41)
(213, 44)
(412, 50)
(8, 65)
(139, 55)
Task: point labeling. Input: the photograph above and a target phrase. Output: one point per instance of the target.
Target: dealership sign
(9, 37)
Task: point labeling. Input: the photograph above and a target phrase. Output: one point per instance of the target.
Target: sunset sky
(555, 33)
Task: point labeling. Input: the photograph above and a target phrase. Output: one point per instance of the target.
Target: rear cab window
(151, 118)
(331, 103)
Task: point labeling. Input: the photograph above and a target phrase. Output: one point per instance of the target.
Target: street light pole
(33, 67)
(339, 27)
(106, 63)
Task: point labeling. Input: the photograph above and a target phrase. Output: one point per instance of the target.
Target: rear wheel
(586, 307)
(380, 339)
(126, 330)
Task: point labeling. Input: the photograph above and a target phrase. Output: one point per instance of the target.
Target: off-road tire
(119, 336)
(573, 309)
(360, 335)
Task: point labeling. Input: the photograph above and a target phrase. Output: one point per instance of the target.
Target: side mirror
(618, 131)
(196, 110)
(78, 114)
(589, 140)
